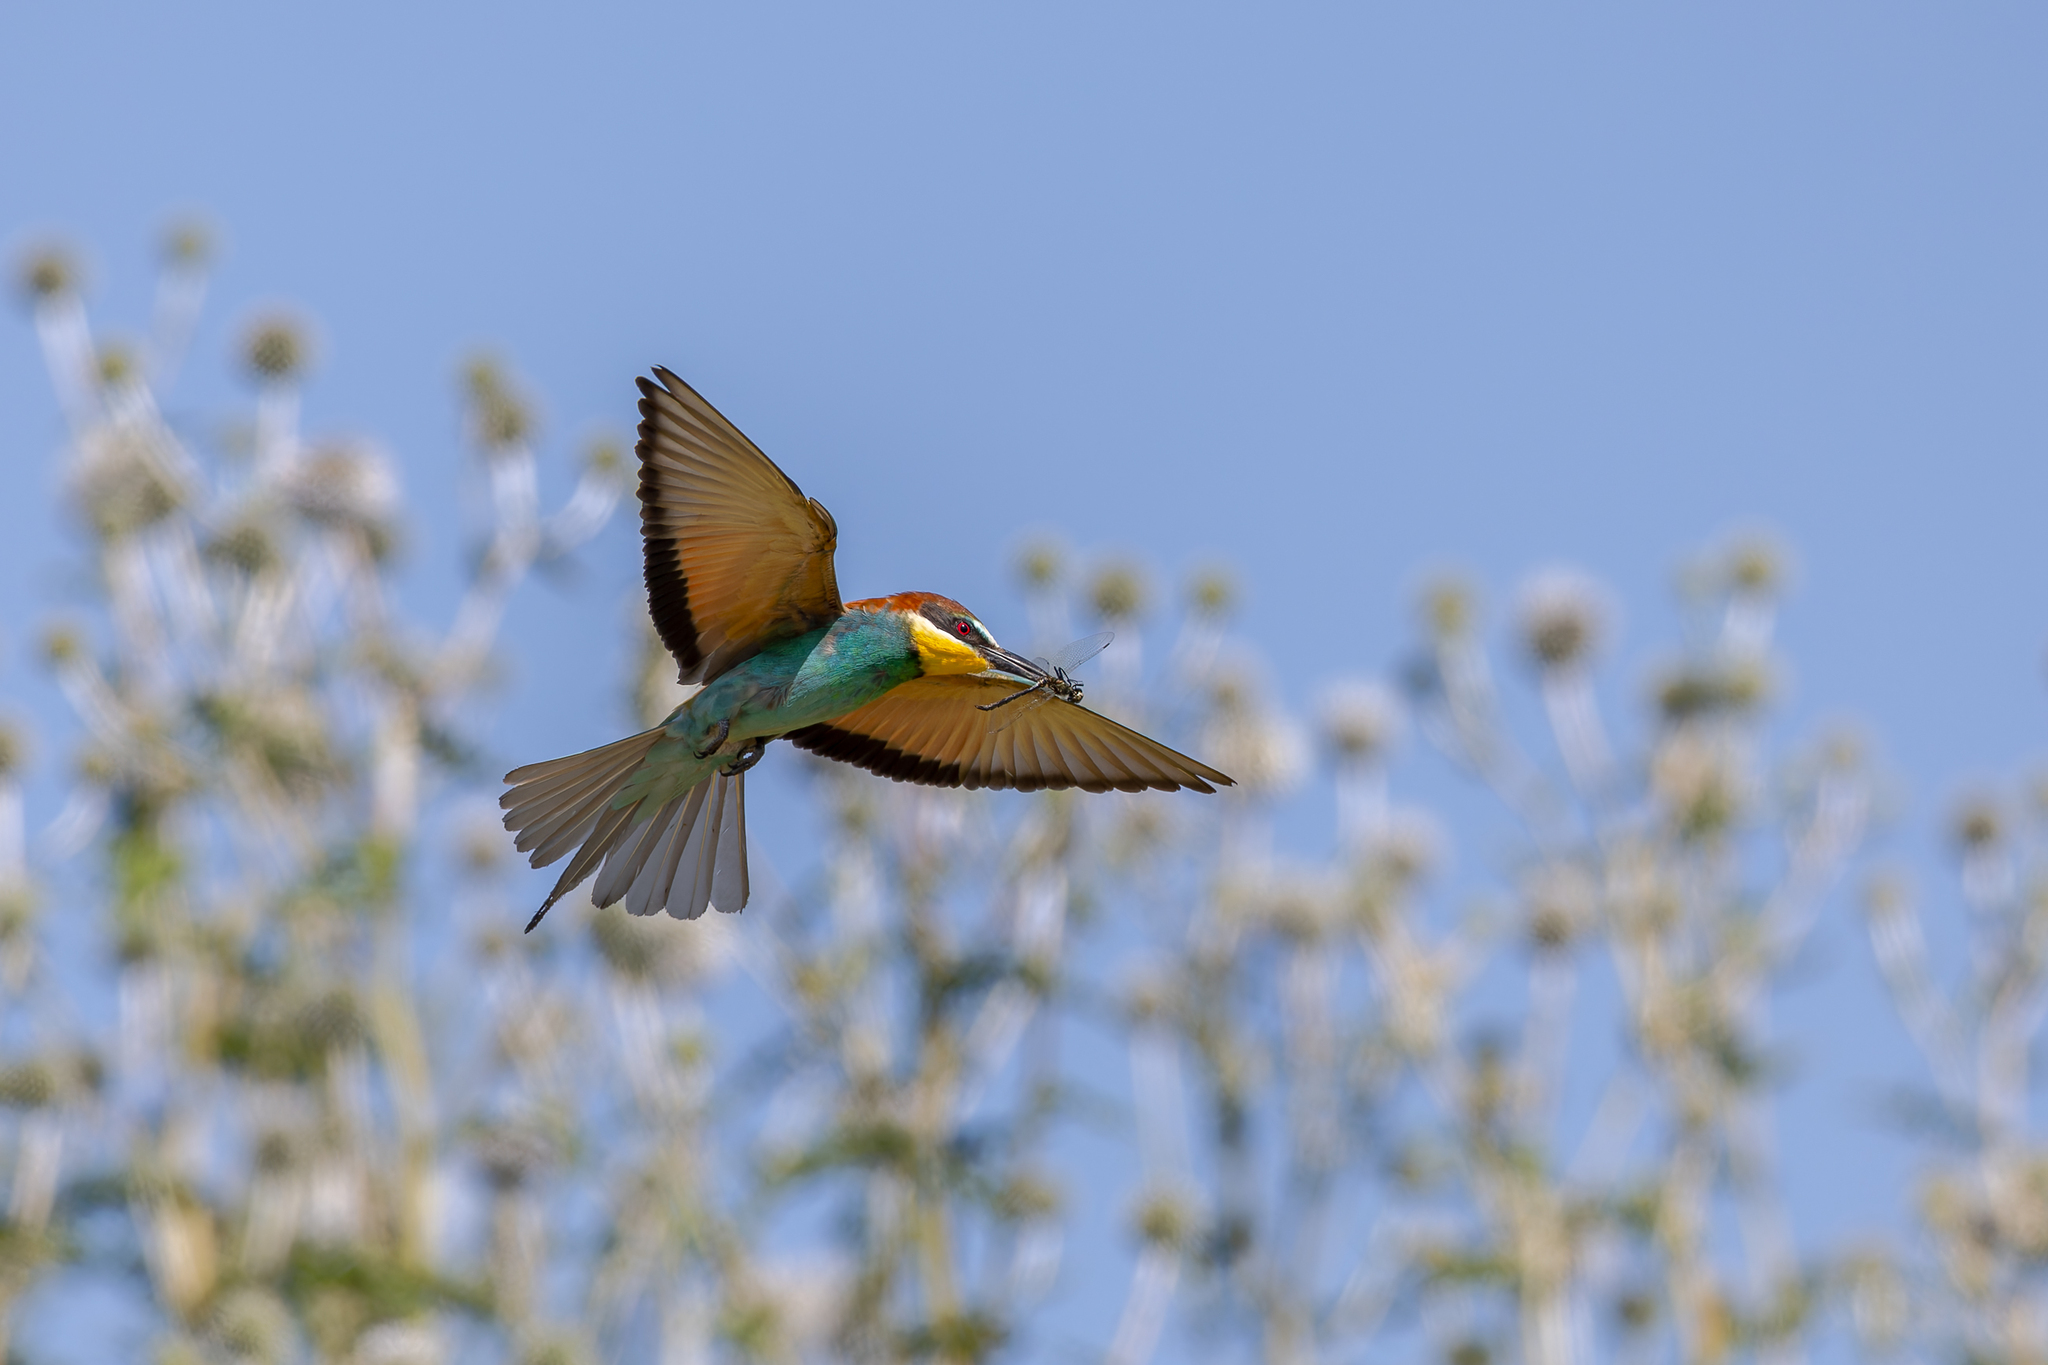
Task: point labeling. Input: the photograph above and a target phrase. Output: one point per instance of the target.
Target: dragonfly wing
(1078, 653)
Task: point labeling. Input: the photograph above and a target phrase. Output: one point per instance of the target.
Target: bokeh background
(1333, 298)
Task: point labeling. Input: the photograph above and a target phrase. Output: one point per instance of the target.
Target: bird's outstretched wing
(929, 730)
(737, 556)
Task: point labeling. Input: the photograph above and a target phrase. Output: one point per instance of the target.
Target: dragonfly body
(1059, 685)
(741, 585)
(1056, 679)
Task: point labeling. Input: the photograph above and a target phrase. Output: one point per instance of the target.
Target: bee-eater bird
(741, 587)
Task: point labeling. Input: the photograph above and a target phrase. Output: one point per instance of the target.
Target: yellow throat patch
(939, 653)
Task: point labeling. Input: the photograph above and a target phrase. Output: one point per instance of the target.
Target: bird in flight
(741, 587)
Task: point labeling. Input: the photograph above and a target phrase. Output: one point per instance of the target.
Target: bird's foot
(749, 754)
(724, 729)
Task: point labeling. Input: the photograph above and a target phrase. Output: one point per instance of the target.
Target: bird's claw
(749, 754)
(724, 729)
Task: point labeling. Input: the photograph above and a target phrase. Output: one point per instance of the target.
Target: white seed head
(34, 1083)
(557, 1348)
(1727, 686)
(117, 362)
(653, 950)
(810, 1296)
(1139, 830)
(1562, 616)
(1880, 1301)
(247, 545)
(47, 271)
(1265, 751)
(481, 847)
(1702, 783)
(1362, 720)
(254, 1326)
(346, 485)
(276, 346)
(1755, 562)
(1148, 995)
(62, 645)
(408, 1342)
(187, 243)
(1448, 605)
(1212, 593)
(1562, 900)
(1166, 1218)
(1301, 905)
(1041, 564)
(510, 1154)
(1751, 564)
(1118, 592)
(604, 456)
(1410, 847)
(500, 414)
(181, 1350)
(123, 481)
(1978, 824)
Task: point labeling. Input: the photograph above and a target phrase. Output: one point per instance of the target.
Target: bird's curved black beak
(1001, 660)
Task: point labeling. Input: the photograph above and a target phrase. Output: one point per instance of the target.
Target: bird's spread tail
(681, 855)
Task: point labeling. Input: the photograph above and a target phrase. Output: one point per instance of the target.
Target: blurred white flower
(1563, 617)
(1362, 719)
(1409, 847)
(1702, 782)
(345, 485)
(1266, 751)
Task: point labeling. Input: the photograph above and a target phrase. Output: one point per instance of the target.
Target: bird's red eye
(964, 629)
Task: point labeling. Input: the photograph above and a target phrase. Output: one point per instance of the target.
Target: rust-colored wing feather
(737, 556)
(929, 730)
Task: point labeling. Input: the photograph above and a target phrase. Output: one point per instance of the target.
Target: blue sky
(1329, 293)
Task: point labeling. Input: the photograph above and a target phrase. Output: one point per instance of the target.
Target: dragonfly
(1055, 679)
